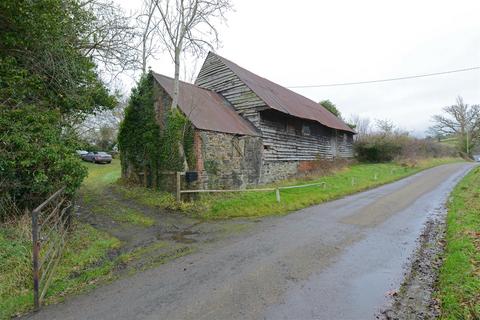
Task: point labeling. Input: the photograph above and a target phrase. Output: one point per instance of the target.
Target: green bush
(46, 83)
(36, 159)
(377, 150)
(385, 147)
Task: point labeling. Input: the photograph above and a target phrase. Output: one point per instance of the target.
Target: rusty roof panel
(206, 109)
(285, 100)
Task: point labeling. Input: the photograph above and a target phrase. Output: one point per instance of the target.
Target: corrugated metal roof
(206, 109)
(285, 100)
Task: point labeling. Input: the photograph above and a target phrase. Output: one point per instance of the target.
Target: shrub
(36, 158)
(382, 147)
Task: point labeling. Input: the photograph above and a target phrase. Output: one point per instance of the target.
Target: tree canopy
(459, 120)
(330, 106)
(45, 79)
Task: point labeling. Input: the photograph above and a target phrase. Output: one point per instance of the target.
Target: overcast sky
(307, 42)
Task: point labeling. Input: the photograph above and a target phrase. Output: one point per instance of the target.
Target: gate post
(36, 251)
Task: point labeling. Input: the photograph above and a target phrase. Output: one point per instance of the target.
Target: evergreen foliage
(144, 147)
(46, 79)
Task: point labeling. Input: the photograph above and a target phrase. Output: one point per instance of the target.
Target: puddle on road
(182, 236)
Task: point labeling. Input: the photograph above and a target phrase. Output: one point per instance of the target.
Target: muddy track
(178, 232)
(414, 299)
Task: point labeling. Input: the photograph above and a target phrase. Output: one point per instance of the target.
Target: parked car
(81, 153)
(97, 157)
(476, 157)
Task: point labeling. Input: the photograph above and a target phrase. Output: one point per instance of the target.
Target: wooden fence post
(179, 186)
(36, 254)
(277, 193)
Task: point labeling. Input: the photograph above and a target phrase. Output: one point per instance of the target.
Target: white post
(277, 193)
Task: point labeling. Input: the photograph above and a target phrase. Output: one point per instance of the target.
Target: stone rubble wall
(227, 160)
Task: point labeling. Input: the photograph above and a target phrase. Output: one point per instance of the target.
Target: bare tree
(385, 126)
(148, 26)
(96, 127)
(111, 40)
(461, 120)
(362, 125)
(189, 25)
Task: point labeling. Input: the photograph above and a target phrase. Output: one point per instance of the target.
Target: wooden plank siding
(216, 76)
(283, 136)
(284, 139)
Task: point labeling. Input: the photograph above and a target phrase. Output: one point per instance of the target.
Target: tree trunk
(144, 58)
(176, 90)
(176, 80)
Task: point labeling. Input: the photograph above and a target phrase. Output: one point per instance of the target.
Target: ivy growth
(178, 129)
(144, 147)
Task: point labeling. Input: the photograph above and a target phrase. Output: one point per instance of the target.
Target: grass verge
(338, 184)
(259, 204)
(459, 279)
(85, 262)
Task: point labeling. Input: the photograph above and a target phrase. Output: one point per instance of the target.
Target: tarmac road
(332, 261)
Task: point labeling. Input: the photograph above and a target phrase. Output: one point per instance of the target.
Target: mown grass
(338, 184)
(85, 261)
(459, 279)
(101, 177)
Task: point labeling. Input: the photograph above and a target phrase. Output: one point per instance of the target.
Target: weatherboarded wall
(285, 138)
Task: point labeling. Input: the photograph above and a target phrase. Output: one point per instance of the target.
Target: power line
(386, 80)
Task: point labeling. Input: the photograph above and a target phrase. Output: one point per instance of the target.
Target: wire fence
(179, 192)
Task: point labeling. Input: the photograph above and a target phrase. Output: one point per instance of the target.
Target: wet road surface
(332, 261)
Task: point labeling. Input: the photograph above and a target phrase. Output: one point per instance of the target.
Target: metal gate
(50, 224)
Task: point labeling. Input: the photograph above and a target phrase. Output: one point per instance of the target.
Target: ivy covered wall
(149, 145)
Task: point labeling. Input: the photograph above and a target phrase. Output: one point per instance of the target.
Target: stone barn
(249, 130)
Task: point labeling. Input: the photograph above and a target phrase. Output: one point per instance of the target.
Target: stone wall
(273, 171)
(227, 160)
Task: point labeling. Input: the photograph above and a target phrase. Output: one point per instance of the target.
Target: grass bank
(259, 204)
(459, 279)
(85, 262)
(338, 184)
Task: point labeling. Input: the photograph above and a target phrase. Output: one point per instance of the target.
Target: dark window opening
(306, 130)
